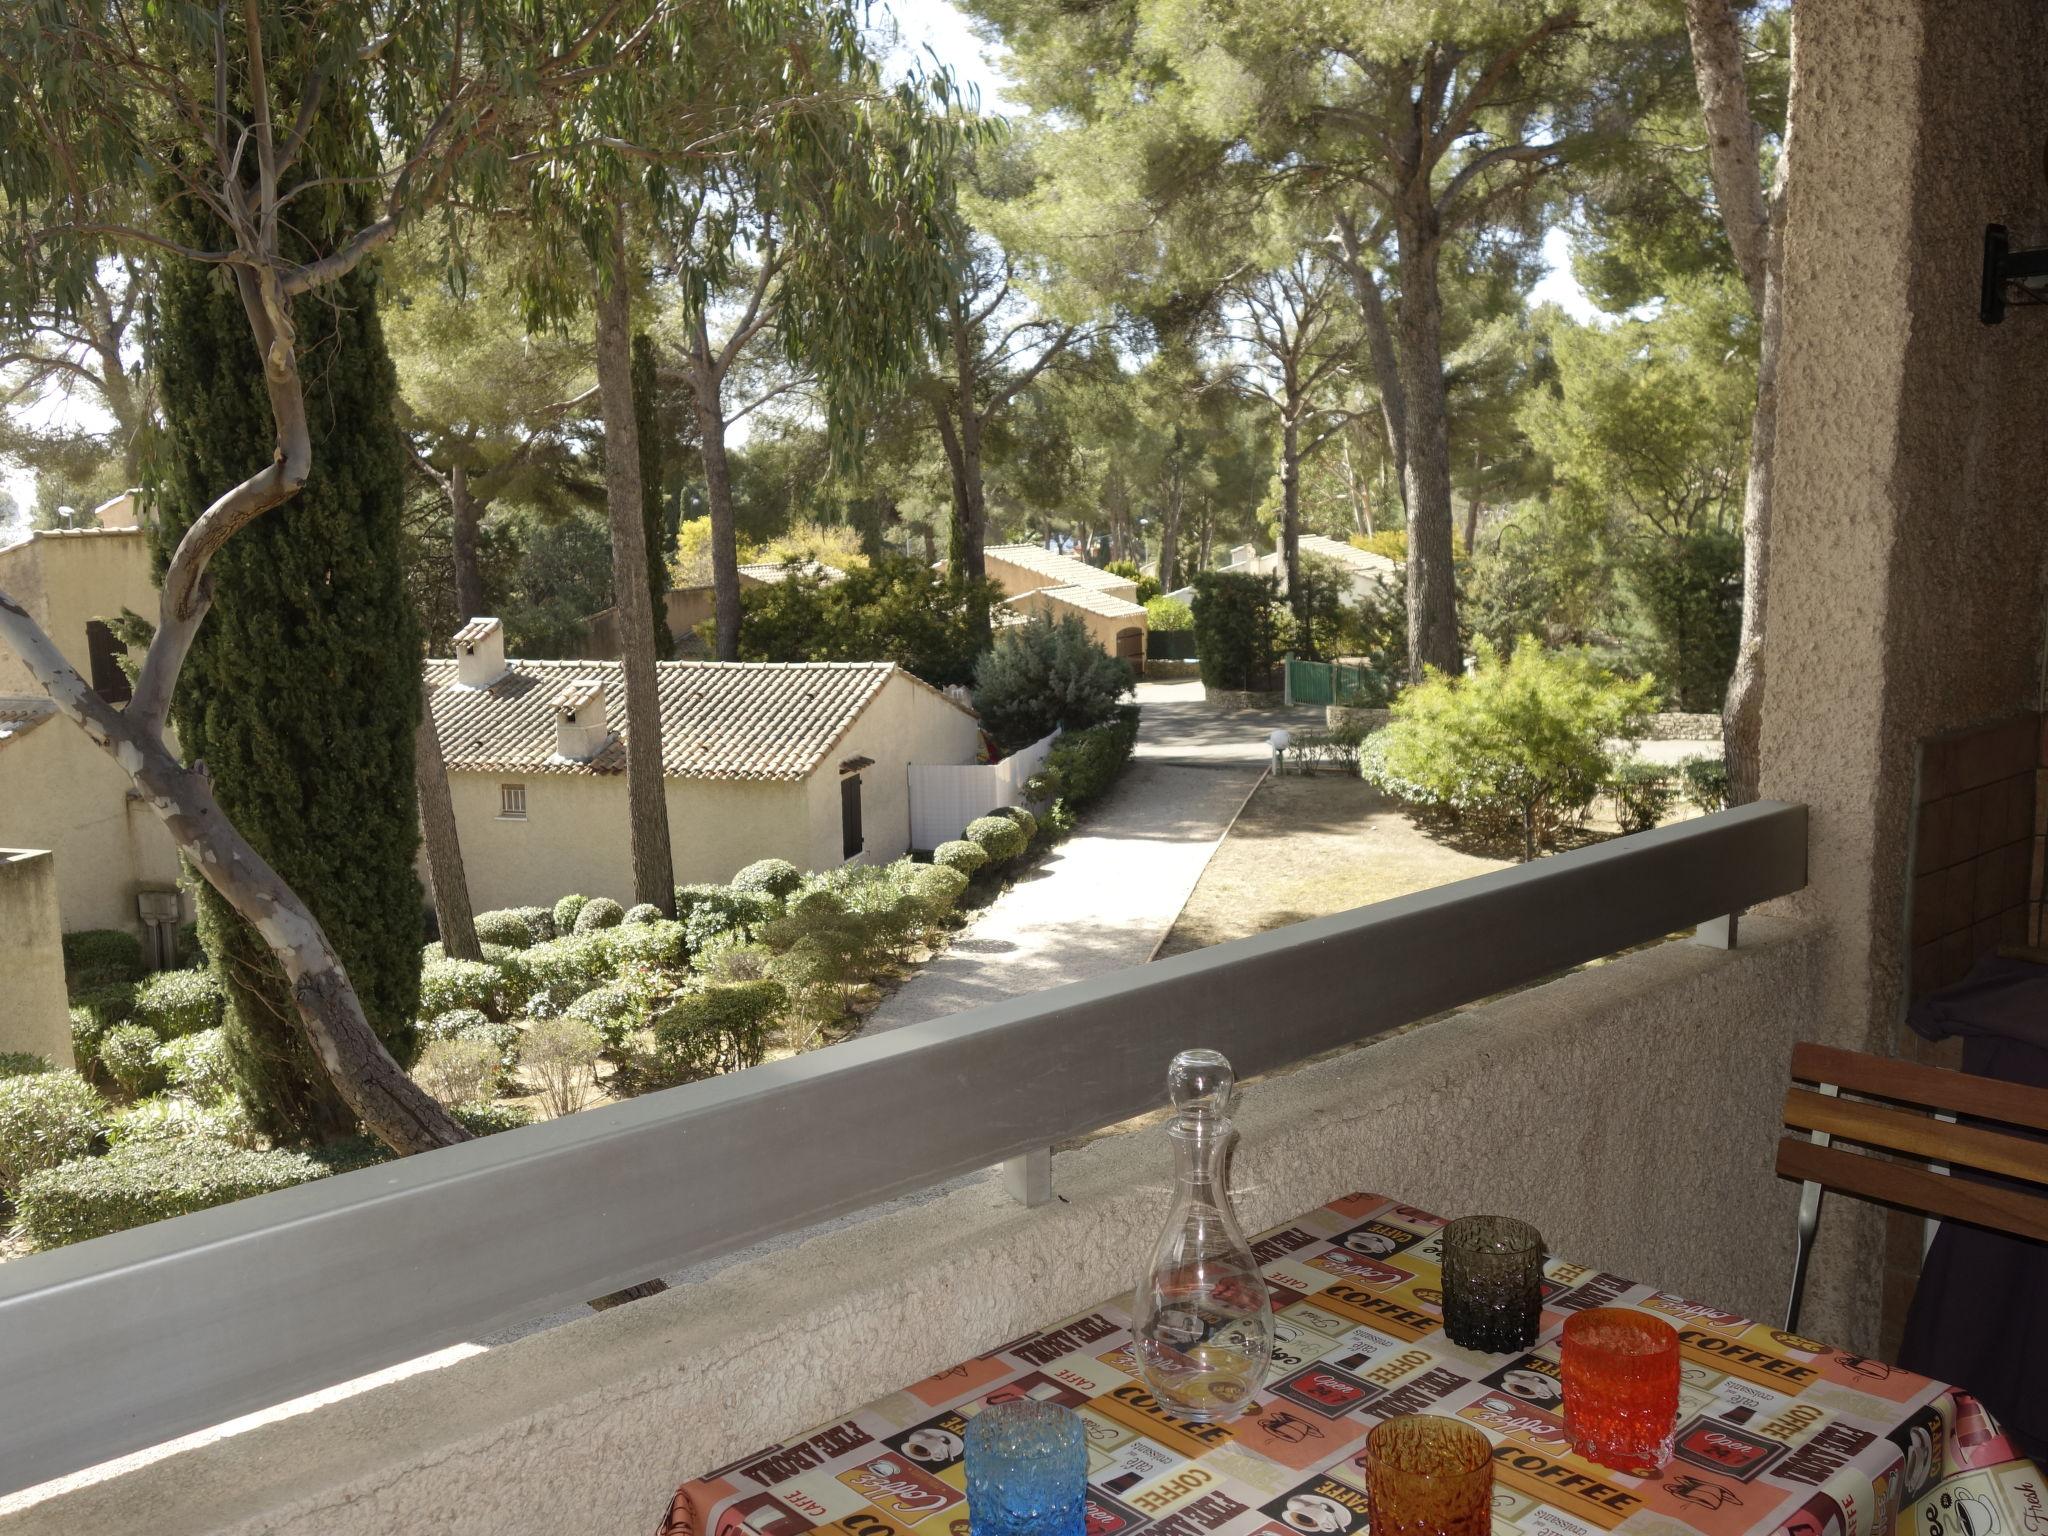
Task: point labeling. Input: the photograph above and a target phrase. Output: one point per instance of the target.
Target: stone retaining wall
(1238, 698)
(1340, 717)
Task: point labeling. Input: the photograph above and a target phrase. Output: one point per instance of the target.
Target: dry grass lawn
(1308, 846)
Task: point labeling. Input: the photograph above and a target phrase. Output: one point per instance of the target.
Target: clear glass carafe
(1201, 1317)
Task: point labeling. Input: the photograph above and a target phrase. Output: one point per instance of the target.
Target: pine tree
(301, 694)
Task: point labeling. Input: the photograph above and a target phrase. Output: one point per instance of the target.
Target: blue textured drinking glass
(1027, 1470)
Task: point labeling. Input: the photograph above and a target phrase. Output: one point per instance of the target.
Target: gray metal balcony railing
(129, 1340)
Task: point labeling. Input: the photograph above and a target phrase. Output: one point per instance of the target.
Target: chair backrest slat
(1930, 1087)
(1899, 1130)
(1903, 1184)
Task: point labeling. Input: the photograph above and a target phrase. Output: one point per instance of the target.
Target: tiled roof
(1059, 570)
(1090, 600)
(19, 716)
(720, 719)
(1350, 554)
(771, 572)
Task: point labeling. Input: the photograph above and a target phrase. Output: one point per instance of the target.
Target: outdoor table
(1776, 1433)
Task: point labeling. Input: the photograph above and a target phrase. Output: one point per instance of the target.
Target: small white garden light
(1279, 742)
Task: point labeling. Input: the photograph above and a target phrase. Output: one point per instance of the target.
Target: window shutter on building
(108, 680)
(849, 816)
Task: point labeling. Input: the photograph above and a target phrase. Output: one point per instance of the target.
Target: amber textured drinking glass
(1493, 1283)
(1428, 1476)
(1621, 1388)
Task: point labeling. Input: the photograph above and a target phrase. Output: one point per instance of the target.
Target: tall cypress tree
(646, 410)
(302, 691)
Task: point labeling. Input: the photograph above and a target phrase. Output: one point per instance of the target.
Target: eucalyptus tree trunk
(1755, 225)
(646, 783)
(705, 395)
(1426, 460)
(444, 845)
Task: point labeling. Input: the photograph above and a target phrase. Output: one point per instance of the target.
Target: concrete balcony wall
(1630, 1110)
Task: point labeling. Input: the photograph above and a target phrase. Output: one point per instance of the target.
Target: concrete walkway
(1107, 895)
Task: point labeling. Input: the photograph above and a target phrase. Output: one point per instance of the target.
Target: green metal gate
(1310, 682)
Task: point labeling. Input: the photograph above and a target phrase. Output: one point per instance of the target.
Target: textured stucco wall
(33, 1009)
(1102, 628)
(906, 723)
(1629, 1110)
(1908, 541)
(64, 579)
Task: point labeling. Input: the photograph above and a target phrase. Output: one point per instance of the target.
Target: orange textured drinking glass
(1428, 1476)
(1621, 1388)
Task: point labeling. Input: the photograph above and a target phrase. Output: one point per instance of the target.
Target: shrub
(769, 877)
(446, 984)
(468, 1024)
(657, 943)
(1706, 782)
(997, 836)
(1308, 749)
(1042, 676)
(46, 1118)
(198, 1066)
(599, 912)
(162, 1117)
(507, 928)
(940, 888)
(643, 912)
(457, 1071)
(149, 1180)
(1237, 628)
(107, 952)
(23, 1064)
(1168, 616)
(928, 622)
(1084, 764)
(175, 1003)
(960, 856)
(732, 959)
(1022, 817)
(488, 1119)
(128, 1052)
(615, 1010)
(567, 910)
(881, 898)
(717, 910)
(565, 968)
(560, 1059)
(1523, 739)
(821, 948)
(720, 1029)
(106, 1004)
(540, 922)
(1643, 794)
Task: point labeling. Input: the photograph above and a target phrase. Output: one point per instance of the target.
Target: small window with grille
(511, 802)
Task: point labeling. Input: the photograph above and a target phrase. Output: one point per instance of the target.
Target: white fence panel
(945, 797)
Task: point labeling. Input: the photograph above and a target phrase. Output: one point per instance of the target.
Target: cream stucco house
(1371, 575)
(1040, 581)
(111, 854)
(808, 762)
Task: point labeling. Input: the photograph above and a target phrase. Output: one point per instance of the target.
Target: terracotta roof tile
(1090, 600)
(19, 716)
(720, 719)
(1059, 570)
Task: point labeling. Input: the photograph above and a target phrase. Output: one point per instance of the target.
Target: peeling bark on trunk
(444, 845)
(1426, 463)
(646, 786)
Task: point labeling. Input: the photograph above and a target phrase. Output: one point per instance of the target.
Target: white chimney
(479, 653)
(580, 728)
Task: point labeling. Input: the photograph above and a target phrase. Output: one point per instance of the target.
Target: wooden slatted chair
(1923, 1132)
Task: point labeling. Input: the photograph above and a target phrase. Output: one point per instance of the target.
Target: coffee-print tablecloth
(1777, 1434)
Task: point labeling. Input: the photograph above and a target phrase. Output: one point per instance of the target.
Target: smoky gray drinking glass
(1493, 1283)
(1027, 1470)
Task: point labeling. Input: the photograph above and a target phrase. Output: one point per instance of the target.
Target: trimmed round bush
(997, 836)
(489, 1119)
(23, 1064)
(446, 984)
(643, 912)
(456, 1021)
(614, 1010)
(46, 1118)
(106, 1003)
(502, 1038)
(960, 855)
(721, 1029)
(939, 887)
(540, 922)
(717, 911)
(148, 1180)
(599, 912)
(175, 1003)
(507, 928)
(110, 952)
(565, 968)
(567, 910)
(162, 1116)
(128, 1052)
(659, 943)
(198, 1066)
(1022, 817)
(769, 877)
